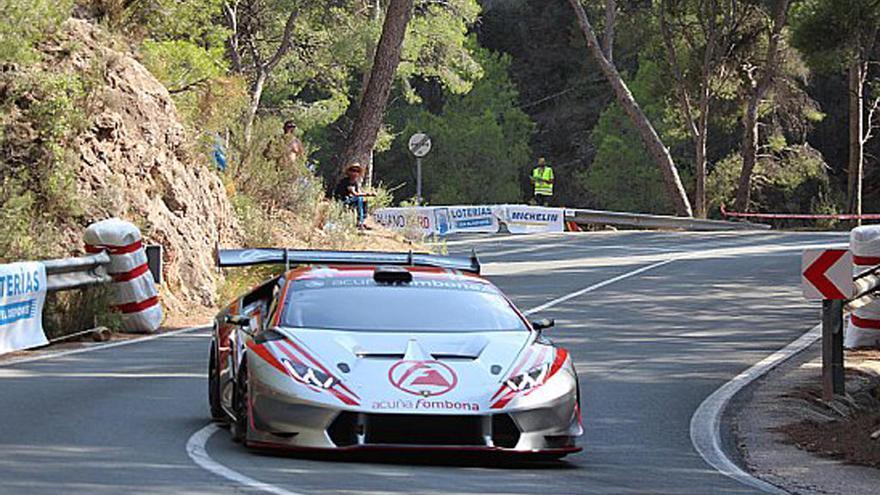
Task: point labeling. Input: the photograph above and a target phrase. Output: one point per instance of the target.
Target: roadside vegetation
(767, 106)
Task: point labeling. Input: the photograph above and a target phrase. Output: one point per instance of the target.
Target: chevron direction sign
(827, 274)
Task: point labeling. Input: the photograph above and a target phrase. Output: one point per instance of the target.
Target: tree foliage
(480, 142)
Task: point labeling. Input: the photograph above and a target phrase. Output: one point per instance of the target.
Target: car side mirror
(543, 324)
(238, 320)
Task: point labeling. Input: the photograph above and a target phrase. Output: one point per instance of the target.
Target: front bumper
(283, 420)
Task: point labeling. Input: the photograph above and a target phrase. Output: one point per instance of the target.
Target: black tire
(240, 405)
(214, 387)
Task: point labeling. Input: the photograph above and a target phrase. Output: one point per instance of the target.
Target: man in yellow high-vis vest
(542, 179)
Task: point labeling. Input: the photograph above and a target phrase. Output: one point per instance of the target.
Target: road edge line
(196, 449)
(705, 426)
(138, 340)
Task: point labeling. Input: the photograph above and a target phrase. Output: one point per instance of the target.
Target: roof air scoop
(392, 275)
(414, 352)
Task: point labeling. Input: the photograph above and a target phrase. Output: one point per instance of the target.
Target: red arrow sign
(827, 274)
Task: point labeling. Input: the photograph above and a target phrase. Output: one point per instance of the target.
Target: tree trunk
(649, 136)
(700, 157)
(750, 138)
(608, 35)
(256, 95)
(749, 152)
(856, 144)
(372, 108)
(371, 51)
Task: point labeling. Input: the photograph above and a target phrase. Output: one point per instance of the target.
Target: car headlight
(529, 379)
(308, 375)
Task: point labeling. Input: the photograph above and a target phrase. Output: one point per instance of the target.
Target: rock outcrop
(136, 162)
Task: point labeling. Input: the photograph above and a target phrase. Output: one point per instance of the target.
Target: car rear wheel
(240, 405)
(214, 386)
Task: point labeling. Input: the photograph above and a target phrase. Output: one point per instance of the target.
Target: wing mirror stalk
(240, 321)
(543, 324)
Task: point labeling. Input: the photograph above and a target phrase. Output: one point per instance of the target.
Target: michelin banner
(444, 220)
(22, 296)
(533, 219)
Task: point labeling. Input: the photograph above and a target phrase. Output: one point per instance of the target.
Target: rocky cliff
(136, 162)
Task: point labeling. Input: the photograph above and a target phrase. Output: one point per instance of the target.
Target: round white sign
(419, 144)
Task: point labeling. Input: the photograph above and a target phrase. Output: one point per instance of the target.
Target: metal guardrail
(867, 290)
(75, 273)
(599, 217)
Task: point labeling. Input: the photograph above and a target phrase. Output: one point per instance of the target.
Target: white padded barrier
(864, 326)
(134, 292)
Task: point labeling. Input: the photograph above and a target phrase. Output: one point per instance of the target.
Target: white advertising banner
(413, 220)
(533, 219)
(443, 220)
(451, 219)
(22, 296)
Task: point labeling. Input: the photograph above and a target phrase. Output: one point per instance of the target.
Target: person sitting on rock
(348, 190)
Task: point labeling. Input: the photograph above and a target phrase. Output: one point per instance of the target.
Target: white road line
(195, 448)
(597, 286)
(706, 421)
(121, 343)
(509, 237)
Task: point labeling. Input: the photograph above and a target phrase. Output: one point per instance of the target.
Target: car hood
(420, 372)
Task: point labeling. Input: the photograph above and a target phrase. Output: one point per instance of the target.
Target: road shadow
(434, 459)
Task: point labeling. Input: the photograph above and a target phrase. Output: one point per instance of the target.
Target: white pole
(418, 181)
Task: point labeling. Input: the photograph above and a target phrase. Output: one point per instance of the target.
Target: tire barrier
(134, 294)
(863, 329)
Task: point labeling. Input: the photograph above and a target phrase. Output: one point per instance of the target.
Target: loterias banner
(22, 296)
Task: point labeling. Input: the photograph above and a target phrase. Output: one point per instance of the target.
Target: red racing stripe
(267, 356)
(561, 354)
(515, 371)
(320, 366)
(283, 344)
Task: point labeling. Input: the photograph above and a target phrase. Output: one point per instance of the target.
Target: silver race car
(399, 351)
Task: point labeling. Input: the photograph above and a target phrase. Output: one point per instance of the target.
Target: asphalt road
(649, 348)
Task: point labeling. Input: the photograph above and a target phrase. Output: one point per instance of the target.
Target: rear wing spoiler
(227, 258)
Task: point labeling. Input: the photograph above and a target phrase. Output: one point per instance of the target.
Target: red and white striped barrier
(134, 292)
(864, 326)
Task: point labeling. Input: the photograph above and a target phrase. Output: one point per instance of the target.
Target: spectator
(348, 190)
(542, 178)
(294, 150)
(219, 153)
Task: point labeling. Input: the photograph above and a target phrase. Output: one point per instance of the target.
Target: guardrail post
(832, 349)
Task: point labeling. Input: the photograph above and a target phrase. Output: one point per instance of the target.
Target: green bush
(41, 115)
(794, 180)
(23, 23)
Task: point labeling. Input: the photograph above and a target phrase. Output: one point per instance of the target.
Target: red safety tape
(130, 248)
(801, 216)
(866, 260)
(131, 274)
(137, 307)
(866, 323)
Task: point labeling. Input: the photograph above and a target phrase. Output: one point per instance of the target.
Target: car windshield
(432, 305)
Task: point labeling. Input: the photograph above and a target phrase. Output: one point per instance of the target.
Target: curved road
(655, 322)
